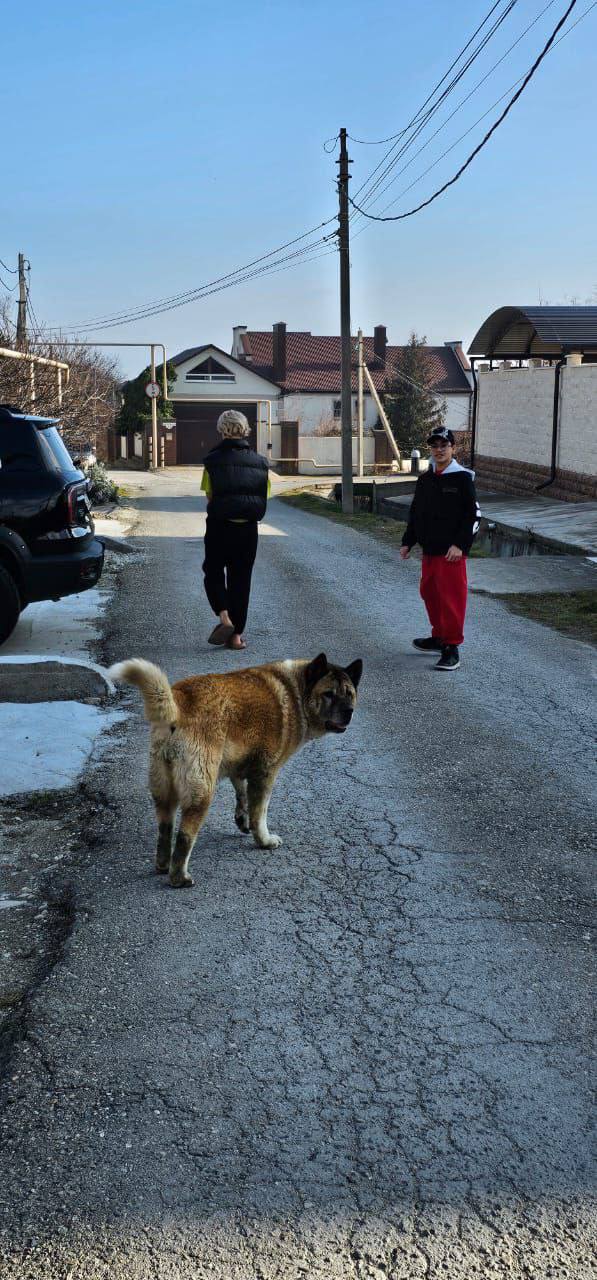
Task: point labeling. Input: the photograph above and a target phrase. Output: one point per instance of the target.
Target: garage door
(196, 428)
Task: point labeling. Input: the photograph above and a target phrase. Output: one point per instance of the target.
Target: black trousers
(230, 551)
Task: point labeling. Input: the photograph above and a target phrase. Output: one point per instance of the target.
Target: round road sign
(152, 390)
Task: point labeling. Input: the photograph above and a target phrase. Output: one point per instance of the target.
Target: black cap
(441, 433)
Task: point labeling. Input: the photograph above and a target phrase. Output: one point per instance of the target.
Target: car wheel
(10, 604)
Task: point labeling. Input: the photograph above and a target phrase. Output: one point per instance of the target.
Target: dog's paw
(242, 822)
(182, 882)
(162, 868)
(271, 841)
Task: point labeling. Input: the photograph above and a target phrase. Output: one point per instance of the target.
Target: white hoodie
(452, 466)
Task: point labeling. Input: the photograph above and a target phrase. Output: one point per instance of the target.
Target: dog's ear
(355, 671)
(316, 669)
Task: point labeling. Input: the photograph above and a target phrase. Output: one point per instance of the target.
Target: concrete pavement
(366, 1054)
(571, 524)
(508, 575)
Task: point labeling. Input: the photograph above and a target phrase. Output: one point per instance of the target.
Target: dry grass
(572, 612)
(376, 526)
(385, 529)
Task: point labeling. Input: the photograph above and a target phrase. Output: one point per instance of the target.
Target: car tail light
(77, 503)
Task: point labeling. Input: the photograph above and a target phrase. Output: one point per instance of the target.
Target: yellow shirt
(206, 488)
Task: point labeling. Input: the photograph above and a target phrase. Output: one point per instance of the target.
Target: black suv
(47, 543)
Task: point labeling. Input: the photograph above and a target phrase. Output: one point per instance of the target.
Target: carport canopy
(519, 333)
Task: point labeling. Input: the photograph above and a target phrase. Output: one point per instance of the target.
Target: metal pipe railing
(58, 365)
(328, 465)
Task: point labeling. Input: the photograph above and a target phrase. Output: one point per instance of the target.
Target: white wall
(515, 416)
(313, 410)
(578, 419)
(457, 412)
(321, 454)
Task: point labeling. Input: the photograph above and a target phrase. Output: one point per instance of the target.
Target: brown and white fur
(243, 725)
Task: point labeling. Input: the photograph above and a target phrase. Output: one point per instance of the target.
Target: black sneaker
(428, 643)
(449, 660)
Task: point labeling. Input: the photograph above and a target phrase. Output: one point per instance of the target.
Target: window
(54, 450)
(338, 407)
(210, 370)
(18, 450)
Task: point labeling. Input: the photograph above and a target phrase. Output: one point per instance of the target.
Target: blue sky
(147, 149)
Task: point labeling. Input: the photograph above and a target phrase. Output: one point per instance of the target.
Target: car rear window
(54, 450)
(18, 448)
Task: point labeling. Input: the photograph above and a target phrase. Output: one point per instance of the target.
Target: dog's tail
(160, 706)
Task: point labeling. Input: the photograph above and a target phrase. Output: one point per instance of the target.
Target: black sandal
(221, 634)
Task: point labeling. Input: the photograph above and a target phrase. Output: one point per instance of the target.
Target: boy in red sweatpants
(443, 519)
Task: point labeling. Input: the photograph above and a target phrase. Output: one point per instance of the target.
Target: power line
(462, 102)
(362, 142)
(190, 295)
(264, 266)
(241, 274)
(284, 264)
(32, 316)
(12, 270)
(267, 269)
(419, 121)
(399, 216)
(422, 175)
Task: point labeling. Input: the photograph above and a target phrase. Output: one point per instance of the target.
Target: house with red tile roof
(279, 376)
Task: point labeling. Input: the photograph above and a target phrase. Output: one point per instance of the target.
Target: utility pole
(21, 339)
(154, 416)
(343, 180)
(360, 407)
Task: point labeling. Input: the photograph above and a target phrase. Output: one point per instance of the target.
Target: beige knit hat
(232, 424)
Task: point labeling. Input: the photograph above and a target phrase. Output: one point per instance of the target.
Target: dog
(243, 725)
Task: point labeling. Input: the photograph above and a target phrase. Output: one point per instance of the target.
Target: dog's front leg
(259, 790)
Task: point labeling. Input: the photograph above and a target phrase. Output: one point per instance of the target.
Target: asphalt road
(366, 1054)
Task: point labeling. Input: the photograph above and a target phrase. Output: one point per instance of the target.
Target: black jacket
(444, 511)
(238, 479)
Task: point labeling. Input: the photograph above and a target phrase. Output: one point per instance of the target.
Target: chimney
(238, 350)
(279, 352)
(380, 342)
(456, 346)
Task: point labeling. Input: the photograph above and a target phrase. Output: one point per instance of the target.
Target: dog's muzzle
(340, 726)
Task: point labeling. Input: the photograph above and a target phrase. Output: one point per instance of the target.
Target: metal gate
(289, 449)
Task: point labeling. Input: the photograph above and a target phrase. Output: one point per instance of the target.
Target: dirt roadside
(46, 839)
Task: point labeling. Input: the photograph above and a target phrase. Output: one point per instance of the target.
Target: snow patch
(47, 744)
(63, 627)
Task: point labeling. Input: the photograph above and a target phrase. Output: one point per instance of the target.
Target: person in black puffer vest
(236, 482)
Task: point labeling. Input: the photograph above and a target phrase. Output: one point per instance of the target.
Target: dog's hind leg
(192, 819)
(241, 813)
(164, 799)
(165, 817)
(259, 789)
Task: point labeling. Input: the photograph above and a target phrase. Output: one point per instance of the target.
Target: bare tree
(90, 398)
